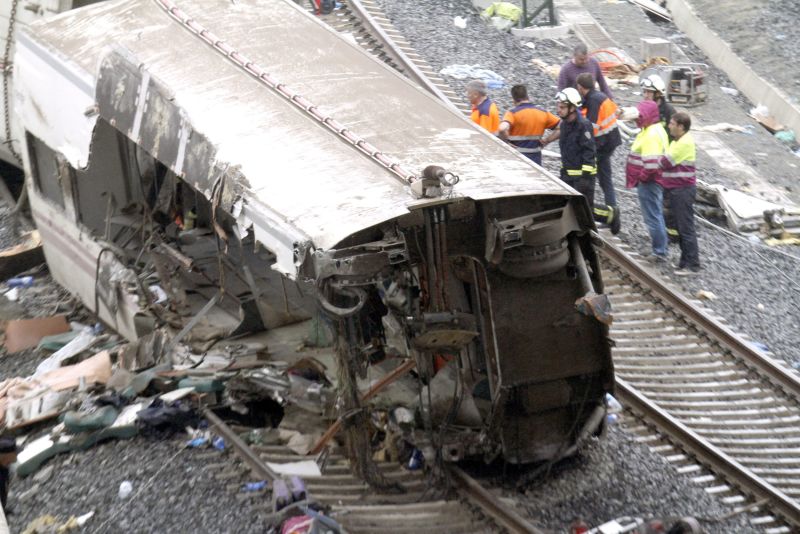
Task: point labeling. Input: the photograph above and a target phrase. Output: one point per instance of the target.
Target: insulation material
(96, 369)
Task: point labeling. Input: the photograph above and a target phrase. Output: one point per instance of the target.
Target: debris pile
(275, 387)
(759, 219)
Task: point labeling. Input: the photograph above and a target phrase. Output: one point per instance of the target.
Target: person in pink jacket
(643, 172)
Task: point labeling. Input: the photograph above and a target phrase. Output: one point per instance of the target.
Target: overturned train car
(243, 155)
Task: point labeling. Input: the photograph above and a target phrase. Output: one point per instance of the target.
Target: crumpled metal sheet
(209, 120)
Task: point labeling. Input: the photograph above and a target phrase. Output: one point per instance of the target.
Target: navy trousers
(681, 207)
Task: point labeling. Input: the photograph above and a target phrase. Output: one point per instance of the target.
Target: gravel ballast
(173, 491)
(615, 476)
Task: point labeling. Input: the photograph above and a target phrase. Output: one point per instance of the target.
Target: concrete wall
(756, 88)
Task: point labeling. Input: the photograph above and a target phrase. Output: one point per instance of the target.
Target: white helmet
(571, 95)
(654, 82)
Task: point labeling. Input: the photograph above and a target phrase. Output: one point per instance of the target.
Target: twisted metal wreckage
(173, 177)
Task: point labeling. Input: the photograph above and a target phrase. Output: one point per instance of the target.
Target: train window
(45, 170)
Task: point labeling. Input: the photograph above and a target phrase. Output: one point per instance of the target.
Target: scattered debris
(22, 281)
(475, 72)
(125, 489)
(761, 114)
(749, 215)
(22, 257)
(460, 22)
(255, 486)
(654, 10)
(502, 15)
(786, 137)
(614, 61)
(551, 70)
(597, 306)
(304, 468)
(729, 90)
(93, 370)
(705, 295)
(24, 334)
(723, 127)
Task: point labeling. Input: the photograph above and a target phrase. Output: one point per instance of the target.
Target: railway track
(425, 507)
(705, 395)
(723, 412)
(373, 31)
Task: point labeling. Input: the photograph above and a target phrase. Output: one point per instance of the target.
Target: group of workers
(661, 163)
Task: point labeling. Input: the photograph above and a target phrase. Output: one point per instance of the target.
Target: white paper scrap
(305, 468)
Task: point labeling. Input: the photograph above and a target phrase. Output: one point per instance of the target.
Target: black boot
(616, 221)
(608, 215)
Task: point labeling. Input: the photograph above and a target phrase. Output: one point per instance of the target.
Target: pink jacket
(648, 147)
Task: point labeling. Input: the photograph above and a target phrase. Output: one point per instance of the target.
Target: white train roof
(206, 117)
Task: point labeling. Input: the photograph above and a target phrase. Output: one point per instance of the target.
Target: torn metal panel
(748, 214)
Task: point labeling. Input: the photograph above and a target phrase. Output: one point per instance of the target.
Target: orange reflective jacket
(486, 115)
(606, 118)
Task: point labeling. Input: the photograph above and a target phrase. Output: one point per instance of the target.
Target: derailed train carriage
(243, 155)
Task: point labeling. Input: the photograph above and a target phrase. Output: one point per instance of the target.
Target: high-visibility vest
(646, 152)
(486, 115)
(678, 164)
(527, 124)
(606, 118)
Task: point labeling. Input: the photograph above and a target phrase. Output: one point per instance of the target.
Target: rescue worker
(524, 124)
(576, 141)
(678, 177)
(602, 113)
(484, 112)
(581, 62)
(643, 172)
(653, 88)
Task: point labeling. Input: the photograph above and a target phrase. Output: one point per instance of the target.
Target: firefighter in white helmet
(654, 88)
(576, 140)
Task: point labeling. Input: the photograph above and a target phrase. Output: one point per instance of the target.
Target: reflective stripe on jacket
(606, 120)
(647, 150)
(577, 147)
(527, 124)
(678, 164)
(486, 115)
(602, 113)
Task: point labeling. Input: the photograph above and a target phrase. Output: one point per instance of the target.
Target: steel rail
(467, 487)
(407, 66)
(787, 381)
(470, 489)
(708, 454)
(241, 448)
